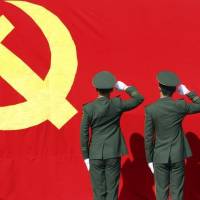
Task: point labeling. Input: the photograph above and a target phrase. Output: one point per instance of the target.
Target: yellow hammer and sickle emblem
(46, 99)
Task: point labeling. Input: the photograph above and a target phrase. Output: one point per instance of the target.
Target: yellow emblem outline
(45, 98)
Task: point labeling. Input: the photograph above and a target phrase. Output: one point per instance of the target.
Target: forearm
(135, 98)
(149, 150)
(195, 98)
(192, 108)
(84, 144)
(149, 143)
(149, 137)
(84, 135)
(133, 93)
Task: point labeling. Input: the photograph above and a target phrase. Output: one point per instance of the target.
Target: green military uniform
(107, 144)
(165, 143)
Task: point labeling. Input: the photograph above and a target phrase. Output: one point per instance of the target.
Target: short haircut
(104, 91)
(167, 90)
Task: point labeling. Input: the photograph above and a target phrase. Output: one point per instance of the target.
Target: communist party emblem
(45, 99)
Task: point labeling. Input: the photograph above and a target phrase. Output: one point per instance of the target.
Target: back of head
(167, 90)
(104, 92)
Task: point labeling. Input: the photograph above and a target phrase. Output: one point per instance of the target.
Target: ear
(160, 90)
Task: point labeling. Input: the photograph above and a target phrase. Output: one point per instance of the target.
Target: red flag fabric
(49, 52)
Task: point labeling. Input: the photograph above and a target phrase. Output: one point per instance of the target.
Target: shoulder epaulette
(87, 103)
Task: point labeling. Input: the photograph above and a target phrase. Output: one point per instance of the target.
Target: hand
(87, 163)
(151, 167)
(120, 86)
(182, 90)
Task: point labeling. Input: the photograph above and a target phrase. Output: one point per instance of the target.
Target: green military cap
(167, 78)
(104, 80)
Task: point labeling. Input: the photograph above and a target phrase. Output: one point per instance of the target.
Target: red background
(134, 39)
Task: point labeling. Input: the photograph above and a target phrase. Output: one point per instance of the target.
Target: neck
(162, 95)
(105, 95)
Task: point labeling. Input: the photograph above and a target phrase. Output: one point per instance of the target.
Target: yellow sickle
(46, 99)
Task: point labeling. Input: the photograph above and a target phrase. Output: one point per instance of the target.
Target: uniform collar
(165, 98)
(102, 98)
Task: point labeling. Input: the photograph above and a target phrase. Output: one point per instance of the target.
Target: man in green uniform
(165, 143)
(103, 151)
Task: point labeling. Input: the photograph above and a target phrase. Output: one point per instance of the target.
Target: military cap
(104, 80)
(167, 78)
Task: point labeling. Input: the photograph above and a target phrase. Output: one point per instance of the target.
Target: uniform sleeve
(135, 99)
(194, 107)
(84, 134)
(149, 136)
